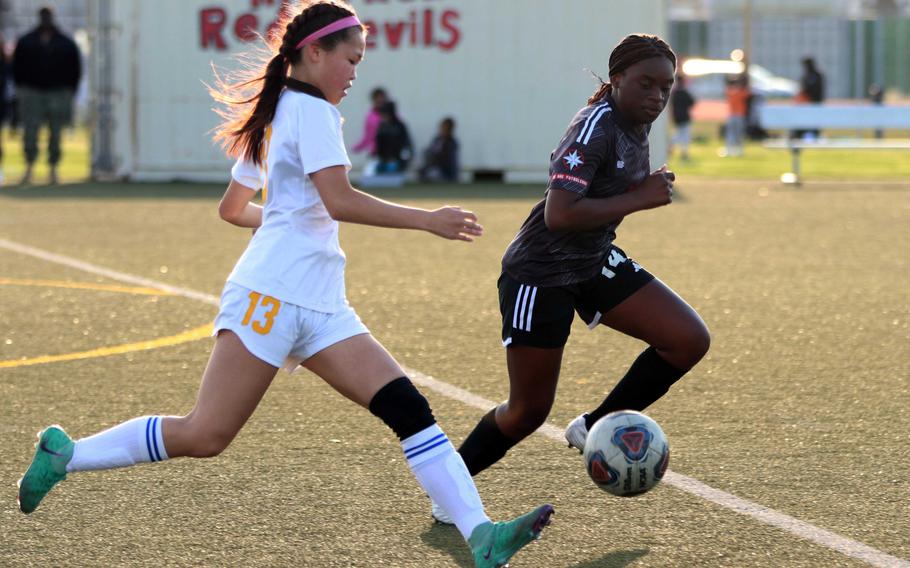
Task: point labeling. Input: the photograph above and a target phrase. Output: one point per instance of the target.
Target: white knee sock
(441, 472)
(135, 441)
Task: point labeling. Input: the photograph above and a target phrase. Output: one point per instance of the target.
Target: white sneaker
(577, 433)
(440, 515)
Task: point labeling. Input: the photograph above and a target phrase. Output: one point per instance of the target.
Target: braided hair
(632, 49)
(250, 101)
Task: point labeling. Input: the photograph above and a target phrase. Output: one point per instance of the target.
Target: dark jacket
(812, 85)
(443, 155)
(681, 103)
(393, 143)
(47, 66)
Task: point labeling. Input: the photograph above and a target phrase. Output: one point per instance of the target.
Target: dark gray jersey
(600, 156)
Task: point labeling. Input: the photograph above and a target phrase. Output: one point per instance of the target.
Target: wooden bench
(828, 117)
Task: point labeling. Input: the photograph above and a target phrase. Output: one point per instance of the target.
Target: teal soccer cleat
(493, 544)
(54, 451)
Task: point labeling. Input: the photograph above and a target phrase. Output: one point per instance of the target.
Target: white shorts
(282, 334)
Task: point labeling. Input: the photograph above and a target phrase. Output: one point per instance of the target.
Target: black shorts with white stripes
(539, 316)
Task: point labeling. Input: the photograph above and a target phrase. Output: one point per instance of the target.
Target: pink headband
(349, 22)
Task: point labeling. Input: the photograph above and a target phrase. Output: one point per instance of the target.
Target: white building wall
(511, 72)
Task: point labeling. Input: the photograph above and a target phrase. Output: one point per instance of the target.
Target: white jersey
(295, 256)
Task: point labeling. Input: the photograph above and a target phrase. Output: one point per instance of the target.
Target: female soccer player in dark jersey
(564, 261)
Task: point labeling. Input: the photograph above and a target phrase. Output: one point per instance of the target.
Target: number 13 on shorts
(271, 306)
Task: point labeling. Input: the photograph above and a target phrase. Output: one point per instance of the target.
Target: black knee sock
(485, 445)
(648, 379)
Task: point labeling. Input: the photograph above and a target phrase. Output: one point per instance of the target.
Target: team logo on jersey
(574, 159)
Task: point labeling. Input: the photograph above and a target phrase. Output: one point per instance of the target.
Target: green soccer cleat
(54, 451)
(493, 544)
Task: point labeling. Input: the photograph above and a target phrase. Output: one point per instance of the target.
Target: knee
(523, 419)
(700, 340)
(210, 443)
(401, 406)
(202, 440)
(696, 343)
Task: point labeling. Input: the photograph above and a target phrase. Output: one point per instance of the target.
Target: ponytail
(249, 138)
(600, 93)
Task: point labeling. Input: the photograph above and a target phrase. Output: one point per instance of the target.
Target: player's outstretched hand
(657, 189)
(453, 222)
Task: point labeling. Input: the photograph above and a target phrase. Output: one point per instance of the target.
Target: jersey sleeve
(587, 145)
(321, 143)
(247, 173)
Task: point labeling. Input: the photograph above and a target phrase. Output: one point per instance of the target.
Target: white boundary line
(801, 529)
(106, 272)
(768, 516)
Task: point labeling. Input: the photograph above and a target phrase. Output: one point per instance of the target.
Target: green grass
(758, 162)
(74, 164)
(800, 406)
(764, 163)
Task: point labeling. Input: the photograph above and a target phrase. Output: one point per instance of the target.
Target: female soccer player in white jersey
(563, 260)
(285, 299)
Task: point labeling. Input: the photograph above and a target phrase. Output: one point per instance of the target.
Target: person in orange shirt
(738, 107)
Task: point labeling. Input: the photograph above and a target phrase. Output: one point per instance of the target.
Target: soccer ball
(626, 453)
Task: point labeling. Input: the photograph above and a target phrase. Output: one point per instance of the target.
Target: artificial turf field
(800, 407)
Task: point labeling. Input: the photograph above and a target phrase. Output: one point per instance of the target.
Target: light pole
(747, 31)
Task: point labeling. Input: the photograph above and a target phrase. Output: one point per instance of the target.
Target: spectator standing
(46, 70)
(811, 91)
(367, 143)
(877, 97)
(441, 157)
(681, 103)
(812, 82)
(738, 107)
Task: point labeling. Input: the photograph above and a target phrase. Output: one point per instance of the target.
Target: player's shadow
(447, 539)
(616, 559)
